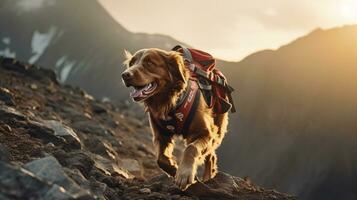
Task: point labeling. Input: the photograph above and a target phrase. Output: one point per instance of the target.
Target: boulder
(65, 132)
(131, 165)
(97, 146)
(76, 160)
(49, 169)
(95, 187)
(51, 131)
(110, 167)
(17, 183)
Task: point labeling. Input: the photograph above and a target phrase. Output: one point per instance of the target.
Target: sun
(349, 10)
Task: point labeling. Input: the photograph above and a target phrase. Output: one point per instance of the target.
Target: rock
(223, 186)
(49, 169)
(87, 115)
(8, 114)
(96, 188)
(33, 86)
(75, 160)
(90, 127)
(133, 166)
(65, 132)
(110, 167)
(17, 183)
(98, 108)
(55, 132)
(43, 132)
(51, 88)
(28, 70)
(4, 153)
(145, 190)
(86, 95)
(6, 96)
(102, 148)
(7, 128)
(72, 114)
(175, 197)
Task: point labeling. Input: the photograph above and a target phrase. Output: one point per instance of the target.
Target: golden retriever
(159, 77)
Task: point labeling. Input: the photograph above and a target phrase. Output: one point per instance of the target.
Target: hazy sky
(232, 29)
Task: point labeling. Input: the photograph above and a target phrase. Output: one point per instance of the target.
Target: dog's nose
(126, 75)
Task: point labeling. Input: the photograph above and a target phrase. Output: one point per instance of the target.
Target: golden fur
(207, 129)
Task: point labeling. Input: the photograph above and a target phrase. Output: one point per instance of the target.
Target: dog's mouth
(143, 92)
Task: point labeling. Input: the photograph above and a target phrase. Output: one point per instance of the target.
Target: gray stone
(55, 132)
(222, 186)
(97, 146)
(145, 190)
(133, 166)
(94, 186)
(6, 96)
(49, 169)
(110, 167)
(8, 114)
(17, 183)
(90, 127)
(43, 132)
(65, 132)
(76, 160)
(98, 108)
(4, 153)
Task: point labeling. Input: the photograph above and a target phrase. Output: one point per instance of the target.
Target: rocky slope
(57, 142)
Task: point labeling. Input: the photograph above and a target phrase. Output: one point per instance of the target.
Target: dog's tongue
(136, 93)
(143, 92)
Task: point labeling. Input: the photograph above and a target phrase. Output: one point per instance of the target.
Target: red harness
(205, 79)
(180, 118)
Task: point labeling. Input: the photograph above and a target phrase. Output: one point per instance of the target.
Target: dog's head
(153, 71)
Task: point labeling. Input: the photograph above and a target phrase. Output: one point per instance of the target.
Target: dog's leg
(210, 166)
(165, 147)
(188, 167)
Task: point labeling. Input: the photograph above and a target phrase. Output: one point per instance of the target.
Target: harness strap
(192, 113)
(183, 97)
(181, 116)
(186, 53)
(209, 75)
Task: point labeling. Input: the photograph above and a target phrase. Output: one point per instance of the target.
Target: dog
(159, 78)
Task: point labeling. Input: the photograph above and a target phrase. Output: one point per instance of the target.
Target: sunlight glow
(239, 27)
(349, 10)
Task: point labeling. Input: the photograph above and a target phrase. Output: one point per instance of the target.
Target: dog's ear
(128, 56)
(175, 64)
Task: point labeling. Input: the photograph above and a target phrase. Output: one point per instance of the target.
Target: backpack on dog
(211, 81)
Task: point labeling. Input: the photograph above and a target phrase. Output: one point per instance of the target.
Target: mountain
(294, 129)
(298, 103)
(78, 39)
(57, 142)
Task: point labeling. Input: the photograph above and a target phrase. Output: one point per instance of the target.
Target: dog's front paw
(185, 176)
